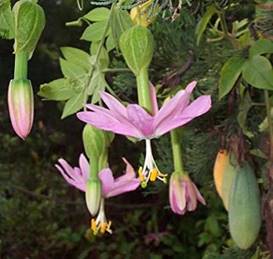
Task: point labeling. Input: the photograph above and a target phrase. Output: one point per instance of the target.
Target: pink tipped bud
(183, 194)
(21, 108)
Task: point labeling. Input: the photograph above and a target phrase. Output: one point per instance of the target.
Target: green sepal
(29, 24)
(137, 46)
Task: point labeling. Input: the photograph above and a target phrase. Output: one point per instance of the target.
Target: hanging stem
(21, 62)
(143, 90)
(177, 151)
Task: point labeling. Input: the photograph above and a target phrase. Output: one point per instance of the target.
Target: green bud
(29, 24)
(137, 46)
(93, 195)
(96, 142)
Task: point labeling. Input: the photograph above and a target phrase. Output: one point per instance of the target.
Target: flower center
(150, 171)
(100, 224)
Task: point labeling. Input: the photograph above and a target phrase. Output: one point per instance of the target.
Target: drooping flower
(79, 177)
(21, 107)
(183, 194)
(134, 121)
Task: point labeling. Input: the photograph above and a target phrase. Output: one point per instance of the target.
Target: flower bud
(21, 109)
(137, 46)
(96, 142)
(93, 195)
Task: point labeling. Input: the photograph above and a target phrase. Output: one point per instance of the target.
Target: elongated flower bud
(93, 195)
(20, 102)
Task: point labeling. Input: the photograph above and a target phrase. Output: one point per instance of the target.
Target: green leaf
(73, 105)
(262, 46)
(110, 44)
(94, 32)
(258, 72)
(6, 20)
(71, 70)
(57, 90)
(97, 84)
(103, 58)
(29, 24)
(77, 57)
(98, 14)
(203, 23)
(230, 73)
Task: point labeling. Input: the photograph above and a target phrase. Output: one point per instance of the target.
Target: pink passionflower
(183, 194)
(134, 121)
(79, 177)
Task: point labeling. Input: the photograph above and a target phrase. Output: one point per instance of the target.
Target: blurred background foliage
(42, 217)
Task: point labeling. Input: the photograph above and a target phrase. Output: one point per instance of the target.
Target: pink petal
(109, 123)
(78, 185)
(177, 196)
(198, 107)
(191, 196)
(199, 196)
(113, 187)
(174, 106)
(107, 179)
(84, 165)
(140, 119)
(129, 172)
(113, 104)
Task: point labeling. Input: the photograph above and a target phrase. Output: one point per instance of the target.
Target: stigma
(150, 171)
(100, 224)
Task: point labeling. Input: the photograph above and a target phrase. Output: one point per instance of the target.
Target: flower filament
(100, 224)
(150, 171)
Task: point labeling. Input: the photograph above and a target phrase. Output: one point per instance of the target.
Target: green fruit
(244, 207)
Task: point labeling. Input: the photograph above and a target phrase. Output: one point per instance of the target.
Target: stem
(97, 56)
(114, 70)
(224, 26)
(143, 90)
(20, 68)
(177, 151)
(270, 125)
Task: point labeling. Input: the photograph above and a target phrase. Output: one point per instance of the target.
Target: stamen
(140, 174)
(153, 175)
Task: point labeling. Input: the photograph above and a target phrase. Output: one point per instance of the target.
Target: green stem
(97, 56)
(143, 90)
(224, 26)
(21, 63)
(270, 125)
(177, 151)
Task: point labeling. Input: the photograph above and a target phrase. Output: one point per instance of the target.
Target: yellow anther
(103, 227)
(140, 174)
(94, 226)
(153, 175)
